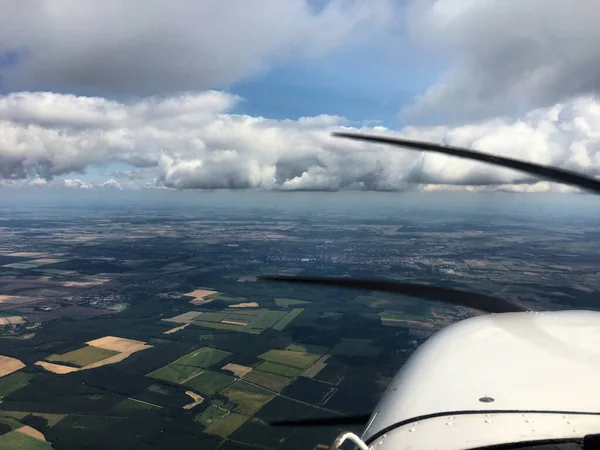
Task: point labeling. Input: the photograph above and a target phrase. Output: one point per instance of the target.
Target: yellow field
(198, 399)
(234, 322)
(42, 261)
(184, 318)
(118, 344)
(199, 296)
(124, 347)
(28, 254)
(32, 432)
(85, 283)
(245, 305)
(236, 369)
(16, 298)
(9, 365)
(56, 368)
(176, 329)
(8, 320)
(400, 322)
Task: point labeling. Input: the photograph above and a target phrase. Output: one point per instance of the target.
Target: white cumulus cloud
(111, 183)
(194, 141)
(76, 183)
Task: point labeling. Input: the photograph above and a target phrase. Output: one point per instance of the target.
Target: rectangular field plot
(118, 344)
(278, 369)
(248, 397)
(9, 365)
(21, 441)
(190, 365)
(175, 373)
(82, 356)
(269, 381)
(203, 357)
(289, 358)
(213, 316)
(227, 425)
(287, 319)
(209, 383)
(185, 317)
(224, 326)
(247, 321)
(14, 382)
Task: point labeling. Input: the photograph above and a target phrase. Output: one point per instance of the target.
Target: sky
(238, 95)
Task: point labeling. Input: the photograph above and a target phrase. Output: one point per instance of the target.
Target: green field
(216, 411)
(265, 318)
(267, 380)
(209, 383)
(202, 357)
(288, 358)
(278, 369)
(307, 348)
(226, 425)
(82, 356)
(285, 302)
(287, 319)
(11, 422)
(257, 320)
(52, 419)
(13, 382)
(225, 298)
(212, 316)
(19, 441)
(249, 398)
(175, 373)
(189, 365)
(22, 265)
(224, 326)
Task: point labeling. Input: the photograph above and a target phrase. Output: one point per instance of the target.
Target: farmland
(248, 397)
(290, 358)
(148, 328)
(186, 367)
(267, 380)
(82, 357)
(209, 383)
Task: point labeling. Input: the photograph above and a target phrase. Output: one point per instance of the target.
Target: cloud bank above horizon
(193, 141)
(144, 87)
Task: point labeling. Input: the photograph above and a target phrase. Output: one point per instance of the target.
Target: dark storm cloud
(154, 46)
(506, 57)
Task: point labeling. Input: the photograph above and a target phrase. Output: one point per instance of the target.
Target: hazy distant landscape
(131, 326)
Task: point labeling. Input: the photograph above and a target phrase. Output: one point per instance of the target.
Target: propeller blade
(324, 422)
(482, 302)
(551, 173)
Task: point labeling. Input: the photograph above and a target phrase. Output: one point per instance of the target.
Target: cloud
(193, 141)
(507, 56)
(112, 184)
(38, 182)
(76, 184)
(150, 47)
